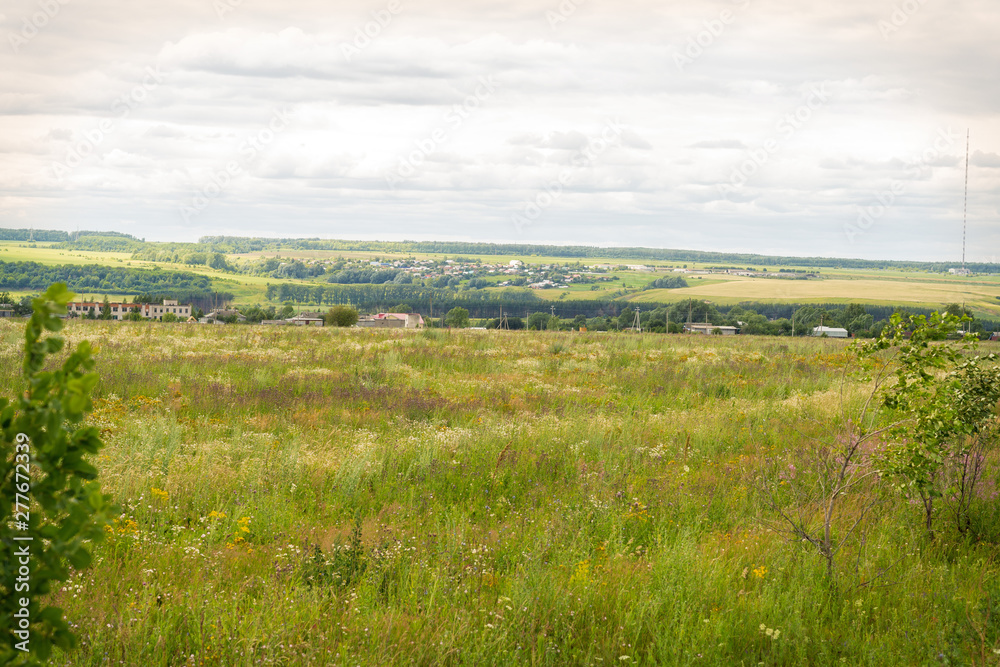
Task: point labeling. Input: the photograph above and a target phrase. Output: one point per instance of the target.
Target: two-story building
(120, 310)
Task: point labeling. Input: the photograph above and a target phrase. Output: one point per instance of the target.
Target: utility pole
(636, 323)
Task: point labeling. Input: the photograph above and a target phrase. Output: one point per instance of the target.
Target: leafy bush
(341, 316)
(67, 512)
(667, 282)
(943, 399)
(457, 317)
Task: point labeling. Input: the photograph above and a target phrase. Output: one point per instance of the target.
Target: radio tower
(965, 211)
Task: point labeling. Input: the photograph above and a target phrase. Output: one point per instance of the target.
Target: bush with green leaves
(457, 318)
(43, 443)
(341, 316)
(943, 398)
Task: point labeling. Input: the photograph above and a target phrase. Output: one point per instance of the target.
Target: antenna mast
(965, 211)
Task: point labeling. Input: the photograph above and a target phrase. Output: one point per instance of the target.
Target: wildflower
(759, 572)
(216, 515)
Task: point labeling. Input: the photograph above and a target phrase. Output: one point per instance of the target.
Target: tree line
(95, 277)
(527, 250)
(752, 317)
(175, 252)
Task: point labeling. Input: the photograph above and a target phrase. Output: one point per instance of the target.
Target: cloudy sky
(774, 126)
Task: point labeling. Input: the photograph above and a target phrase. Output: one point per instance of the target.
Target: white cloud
(417, 91)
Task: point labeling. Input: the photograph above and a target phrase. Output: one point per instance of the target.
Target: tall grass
(325, 496)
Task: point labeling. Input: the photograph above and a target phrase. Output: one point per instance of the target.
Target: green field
(246, 289)
(19, 251)
(981, 294)
(355, 497)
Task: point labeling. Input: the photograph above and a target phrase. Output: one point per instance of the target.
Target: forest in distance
(121, 242)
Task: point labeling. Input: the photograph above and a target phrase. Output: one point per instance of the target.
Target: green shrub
(62, 510)
(341, 316)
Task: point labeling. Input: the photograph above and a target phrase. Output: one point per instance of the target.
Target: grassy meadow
(296, 496)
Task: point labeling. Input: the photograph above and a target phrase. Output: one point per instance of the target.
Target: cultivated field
(981, 295)
(19, 251)
(349, 497)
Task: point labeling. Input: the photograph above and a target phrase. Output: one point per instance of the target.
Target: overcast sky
(772, 126)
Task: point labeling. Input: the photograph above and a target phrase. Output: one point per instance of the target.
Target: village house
(306, 319)
(711, 329)
(392, 321)
(121, 310)
(830, 332)
(220, 316)
(300, 320)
